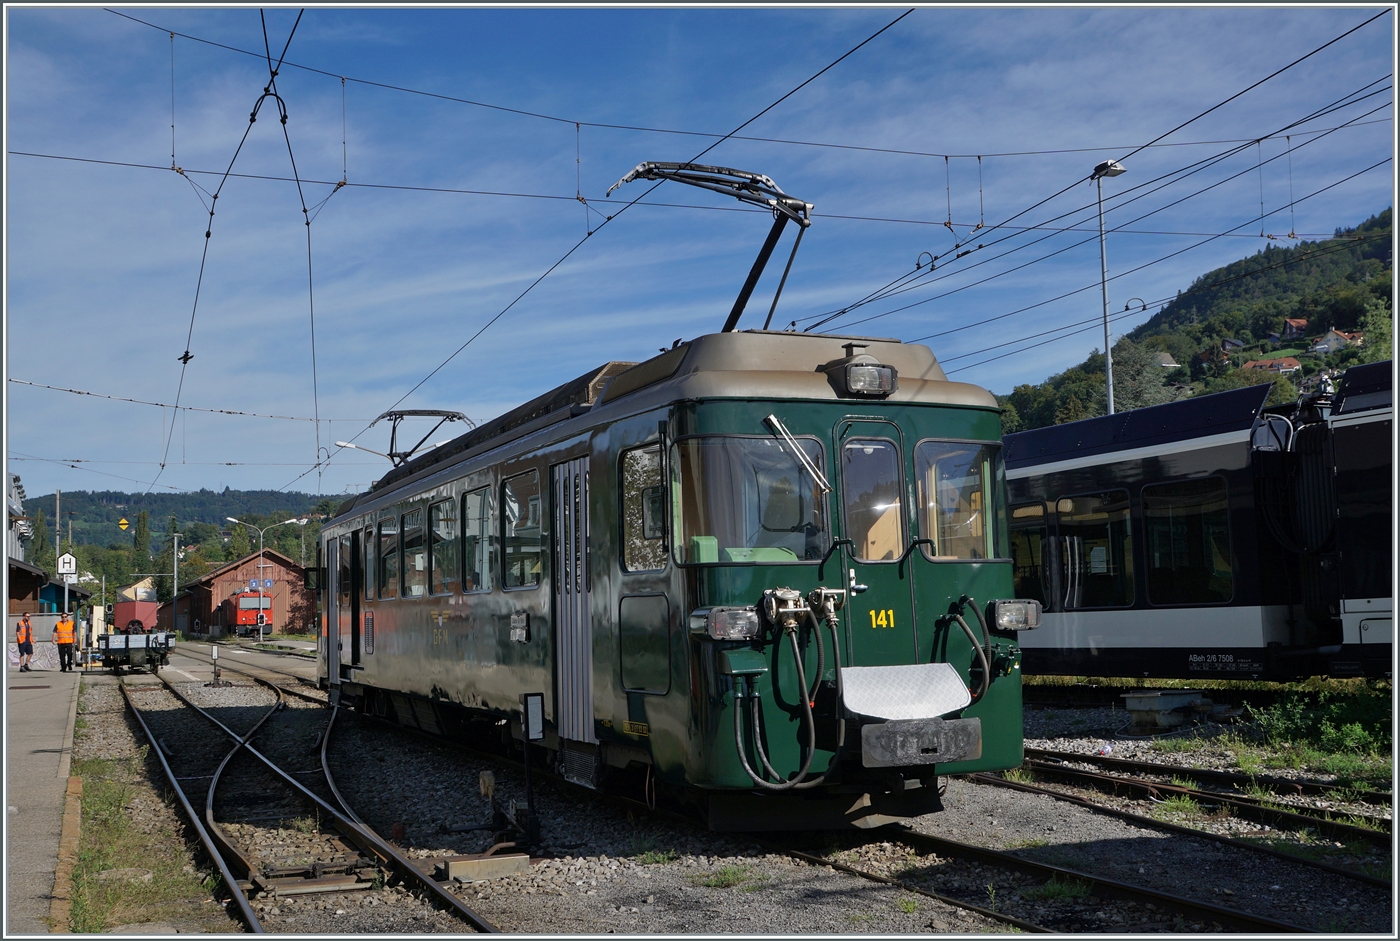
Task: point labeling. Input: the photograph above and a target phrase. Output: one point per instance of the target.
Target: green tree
(141, 543)
(1138, 381)
(1010, 419)
(41, 545)
(239, 543)
(1377, 328)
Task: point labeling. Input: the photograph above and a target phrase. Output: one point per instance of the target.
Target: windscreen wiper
(785, 435)
(748, 187)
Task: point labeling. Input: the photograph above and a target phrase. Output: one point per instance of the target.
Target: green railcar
(771, 569)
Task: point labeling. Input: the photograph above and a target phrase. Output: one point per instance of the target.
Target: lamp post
(261, 530)
(1107, 168)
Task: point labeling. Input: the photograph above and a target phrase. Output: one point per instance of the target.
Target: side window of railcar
(871, 478)
(442, 558)
(367, 547)
(389, 557)
(477, 564)
(1029, 557)
(415, 555)
(1096, 551)
(1188, 542)
(521, 515)
(958, 508)
(643, 511)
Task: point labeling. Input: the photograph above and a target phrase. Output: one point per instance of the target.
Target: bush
(1352, 723)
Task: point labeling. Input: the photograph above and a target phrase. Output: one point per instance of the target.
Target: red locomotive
(249, 612)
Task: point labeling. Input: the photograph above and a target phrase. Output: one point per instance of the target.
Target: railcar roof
(1196, 417)
(1363, 387)
(741, 364)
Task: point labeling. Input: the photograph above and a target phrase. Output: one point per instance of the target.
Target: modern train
(767, 572)
(1211, 537)
(248, 613)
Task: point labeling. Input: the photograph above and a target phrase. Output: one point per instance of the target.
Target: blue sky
(102, 261)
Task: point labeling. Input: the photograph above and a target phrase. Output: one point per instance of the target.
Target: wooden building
(205, 605)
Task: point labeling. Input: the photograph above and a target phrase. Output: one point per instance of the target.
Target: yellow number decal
(882, 618)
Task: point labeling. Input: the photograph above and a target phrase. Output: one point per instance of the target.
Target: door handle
(910, 549)
(857, 589)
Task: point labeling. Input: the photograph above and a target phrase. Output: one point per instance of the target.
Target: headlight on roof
(725, 623)
(870, 379)
(1016, 615)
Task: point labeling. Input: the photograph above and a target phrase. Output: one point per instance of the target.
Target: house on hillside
(1230, 344)
(1294, 328)
(1165, 360)
(1334, 340)
(205, 605)
(1284, 365)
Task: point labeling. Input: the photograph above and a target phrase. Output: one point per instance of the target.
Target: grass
(908, 906)
(111, 840)
(1019, 775)
(657, 857)
(1176, 807)
(726, 877)
(1057, 890)
(1182, 781)
(306, 825)
(1172, 746)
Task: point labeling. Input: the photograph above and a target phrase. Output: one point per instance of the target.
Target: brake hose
(799, 782)
(982, 653)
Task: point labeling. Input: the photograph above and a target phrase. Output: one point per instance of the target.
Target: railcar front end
(770, 570)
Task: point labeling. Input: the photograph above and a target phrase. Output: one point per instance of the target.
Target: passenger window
(957, 499)
(476, 538)
(1188, 542)
(521, 511)
(442, 561)
(342, 575)
(1029, 560)
(1096, 551)
(389, 558)
(871, 479)
(643, 511)
(367, 568)
(415, 556)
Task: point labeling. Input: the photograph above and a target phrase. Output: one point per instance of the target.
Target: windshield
(958, 487)
(251, 604)
(747, 500)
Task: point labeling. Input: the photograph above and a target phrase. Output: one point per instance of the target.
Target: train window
(415, 555)
(368, 567)
(442, 559)
(643, 511)
(1365, 519)
(1096, 555)
(871, 484)
(388, 558)
(476, 538)
(959, 511)
(1029, 559)
(521, 518)
(1187, 532)
(342, 575)
(743, 500)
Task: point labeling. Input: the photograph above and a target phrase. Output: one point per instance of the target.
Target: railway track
(1376, 829)
(254, 671)
(314, 848)
(958, 874)
(1162, 825)
(1232, 779)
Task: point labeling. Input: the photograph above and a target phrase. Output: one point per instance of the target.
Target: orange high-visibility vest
(63, 632)
(24, 633)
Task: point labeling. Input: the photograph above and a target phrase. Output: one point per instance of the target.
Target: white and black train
(1211, 537)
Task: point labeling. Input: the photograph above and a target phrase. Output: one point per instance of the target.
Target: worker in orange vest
(24, 639)
(65, 635)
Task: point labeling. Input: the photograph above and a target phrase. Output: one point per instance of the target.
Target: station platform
(40, 709)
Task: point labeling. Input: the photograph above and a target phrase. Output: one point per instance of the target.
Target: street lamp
(1107, 168)
(261, 531)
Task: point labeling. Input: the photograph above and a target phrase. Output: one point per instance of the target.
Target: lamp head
(232, 520)
(1108, 168)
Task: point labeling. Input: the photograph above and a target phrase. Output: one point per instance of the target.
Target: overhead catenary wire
(1124, 274)
(524, 112)
(188, 408)
(905, 282)
(828, 67)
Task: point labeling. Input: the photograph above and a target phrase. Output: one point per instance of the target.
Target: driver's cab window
(871, 488)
